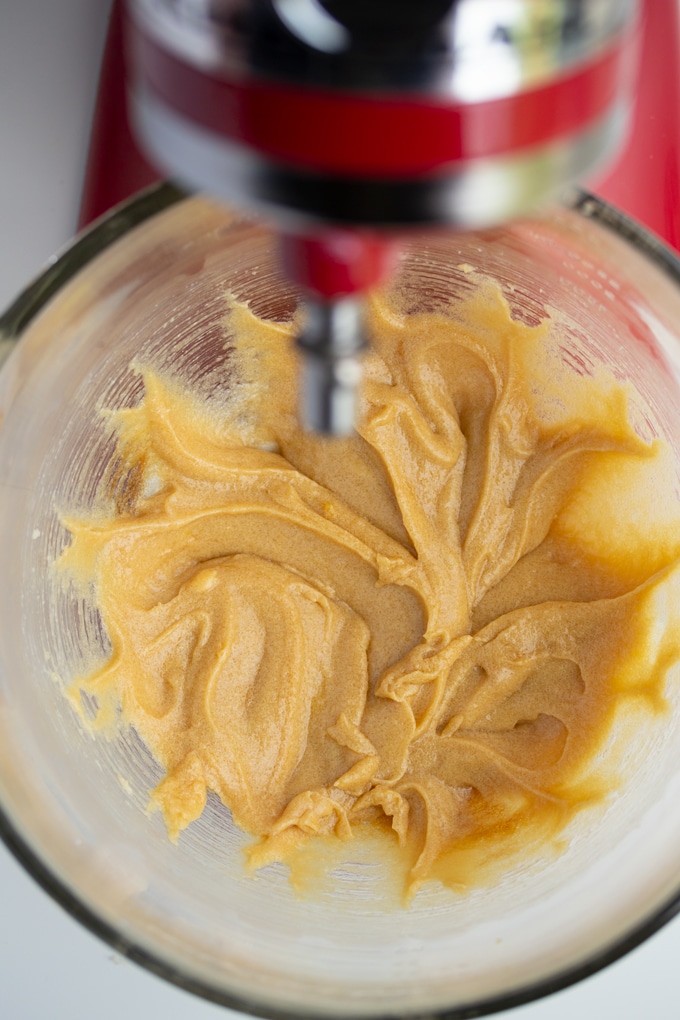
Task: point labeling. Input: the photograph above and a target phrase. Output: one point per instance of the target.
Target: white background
(51, 968)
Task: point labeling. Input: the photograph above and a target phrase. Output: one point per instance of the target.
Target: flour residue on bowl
(428, 628)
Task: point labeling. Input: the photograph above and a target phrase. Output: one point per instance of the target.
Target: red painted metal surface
(645, 182)
(115, 168)
(338, 262)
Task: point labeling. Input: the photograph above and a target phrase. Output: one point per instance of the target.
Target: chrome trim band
(474, 52)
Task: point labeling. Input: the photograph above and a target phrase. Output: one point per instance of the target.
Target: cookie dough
(427, 628)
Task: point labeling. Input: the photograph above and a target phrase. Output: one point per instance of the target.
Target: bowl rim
(17, 317)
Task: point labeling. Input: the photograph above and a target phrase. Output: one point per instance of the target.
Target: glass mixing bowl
(149, 282)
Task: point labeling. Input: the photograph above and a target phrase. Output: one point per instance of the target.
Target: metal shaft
(332, 341)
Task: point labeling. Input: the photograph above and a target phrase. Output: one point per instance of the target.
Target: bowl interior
(79, 801)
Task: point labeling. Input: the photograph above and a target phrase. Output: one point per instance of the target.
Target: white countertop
(50, 967)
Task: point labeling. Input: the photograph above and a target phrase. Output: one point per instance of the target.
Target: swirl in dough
(418, 627)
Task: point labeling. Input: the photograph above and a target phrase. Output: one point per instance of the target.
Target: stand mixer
(184, 910)
(350, 123)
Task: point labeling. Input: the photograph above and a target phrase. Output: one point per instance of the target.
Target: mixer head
(340, 118)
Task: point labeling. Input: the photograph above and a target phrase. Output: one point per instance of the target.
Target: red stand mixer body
(350, 122)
